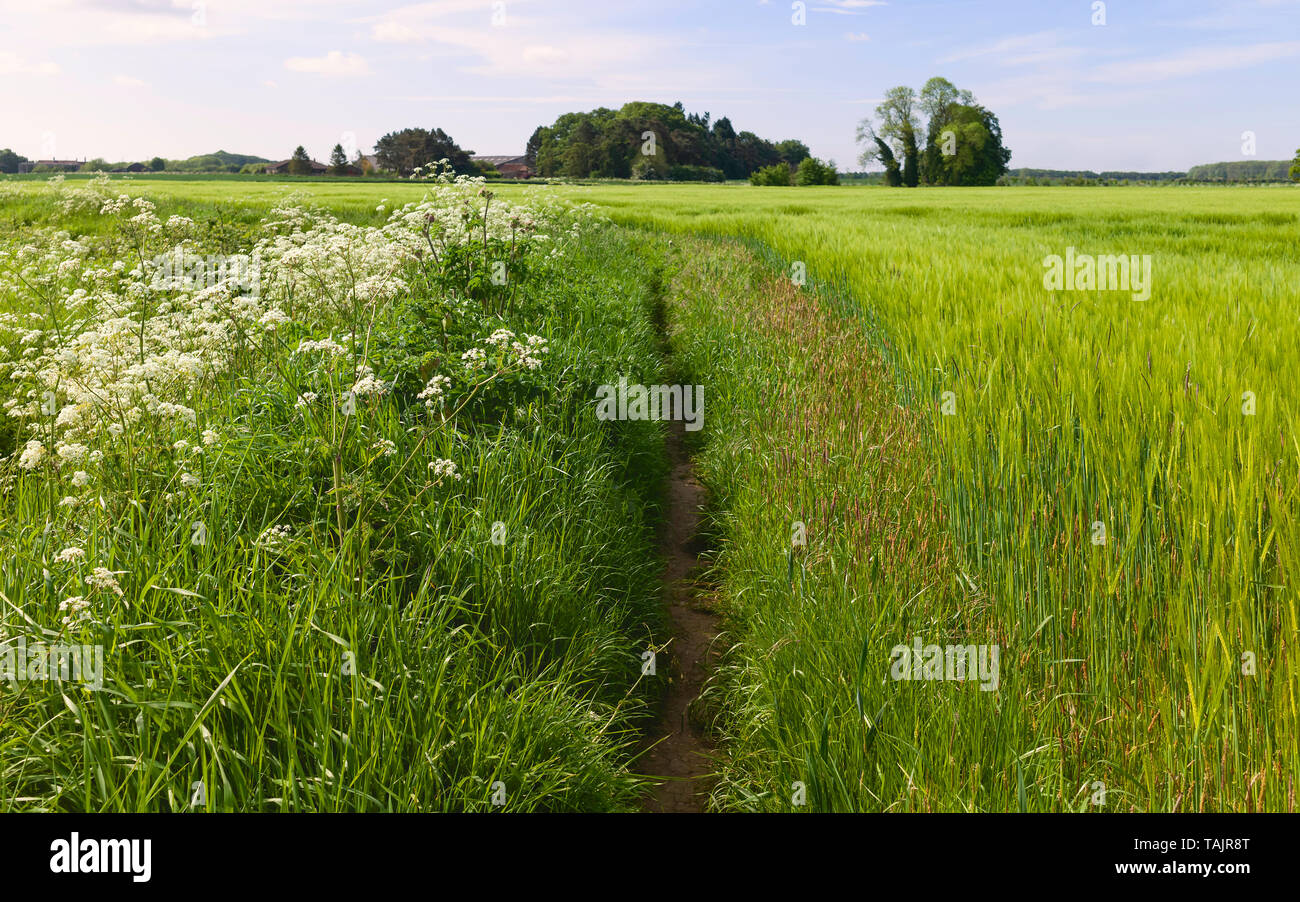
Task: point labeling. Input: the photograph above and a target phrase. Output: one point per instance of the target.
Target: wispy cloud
(847, 7)
(13, 64)
(1194, 62)
(336, 63)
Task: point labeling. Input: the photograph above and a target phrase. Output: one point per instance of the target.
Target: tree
(404, 151)
(157, 164)
(299, 162)
(963, 140)
(580, 155)
(881, 151)
(653, 140)
(338, 161)
(9, 160)
(1295, 166)
(812, 171)
(793, 152)
(776, 175)
(898, 126)
(99, 164)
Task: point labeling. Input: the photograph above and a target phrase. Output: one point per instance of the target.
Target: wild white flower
(104, 579)
(444, 469)
(69, 555)
(80, 478)
(434, 391)
(275, 538)
(385, 447)
(71, 453)
(210, 437)
(366, 383)
(500, 338)
(529, 354)
(473, 357)
(325, 345)
(32, 455)
(75, 609)
(190, 481)
(307, 397)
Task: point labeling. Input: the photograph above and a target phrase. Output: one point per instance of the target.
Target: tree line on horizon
(648, 141)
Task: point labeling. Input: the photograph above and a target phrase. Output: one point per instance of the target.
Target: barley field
(356, 540)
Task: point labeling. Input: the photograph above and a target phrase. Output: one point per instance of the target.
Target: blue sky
(1163, 84)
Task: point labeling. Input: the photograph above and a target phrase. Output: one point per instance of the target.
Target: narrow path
(680, 752)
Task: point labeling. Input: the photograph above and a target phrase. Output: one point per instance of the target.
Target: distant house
(134, 167)
(282, 168)
(509, 167)
(65, 165)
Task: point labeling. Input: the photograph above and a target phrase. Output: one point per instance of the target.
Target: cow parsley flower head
(434, 391)
(444, 469)
(104, 579)
(69, 555)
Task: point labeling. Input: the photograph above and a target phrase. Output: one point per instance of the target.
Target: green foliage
(208, 162)
(411, 148)
(9, 160)
(652, 141)
(407, 661)
(338, 160)
(776, 175)
(1242, 171)
(299, 162)
(1295, 167)
(963, 140)
(1123, 661)
(812, 171)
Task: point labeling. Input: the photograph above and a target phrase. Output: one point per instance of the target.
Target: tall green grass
(1159, 663)
(467, 644)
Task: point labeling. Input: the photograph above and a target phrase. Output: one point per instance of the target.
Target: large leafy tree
(409, 148)
(653, 140)
(963, 140)
(1295, 166)
(899, 125)
(9, 160)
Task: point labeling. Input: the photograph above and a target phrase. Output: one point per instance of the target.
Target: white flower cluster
(444, 469)
(275, 538)
(434, 391)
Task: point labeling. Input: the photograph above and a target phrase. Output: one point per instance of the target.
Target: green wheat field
(350, 536)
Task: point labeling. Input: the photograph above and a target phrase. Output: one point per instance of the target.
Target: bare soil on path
(679, 752)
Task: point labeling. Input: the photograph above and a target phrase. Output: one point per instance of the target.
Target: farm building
(65, 165)
(510, 167)
(282, 168)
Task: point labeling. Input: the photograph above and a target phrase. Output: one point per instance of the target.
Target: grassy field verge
(355, 542)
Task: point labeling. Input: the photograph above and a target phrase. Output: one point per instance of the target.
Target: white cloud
(126, 81)
(857, 36)
(13, 64)
(1195, 62)
(1036, 44)
(847, 7)
(334, 63)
